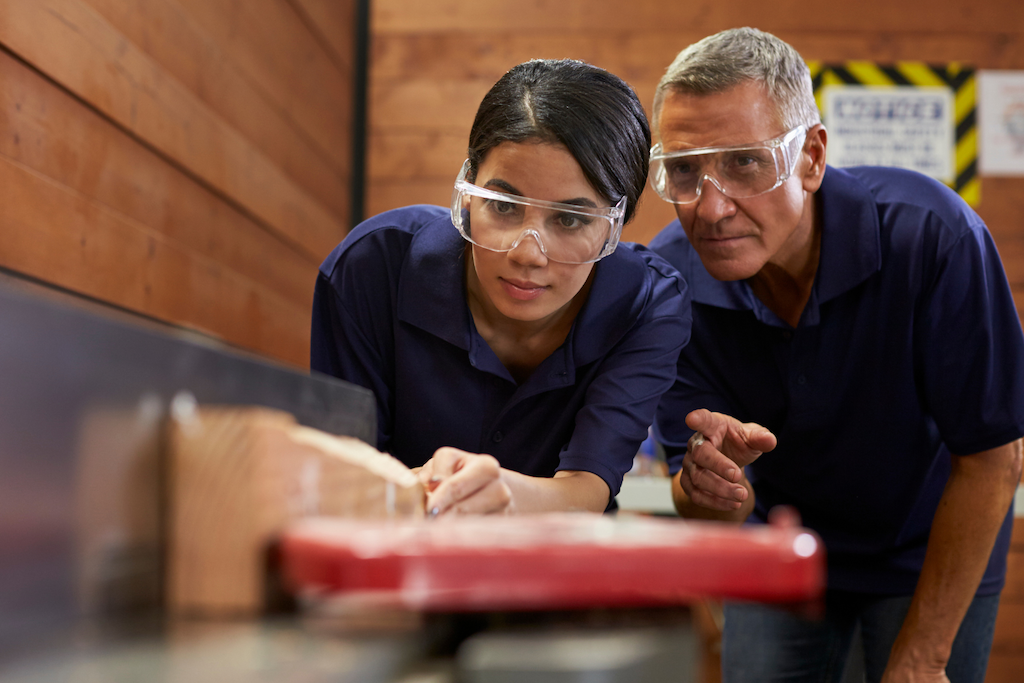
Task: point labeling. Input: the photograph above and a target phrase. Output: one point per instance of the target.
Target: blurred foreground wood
(238, 476)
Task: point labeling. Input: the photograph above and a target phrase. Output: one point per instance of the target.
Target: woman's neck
(521, 345)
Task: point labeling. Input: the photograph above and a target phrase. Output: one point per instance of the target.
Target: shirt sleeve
(628, 384)
(970, 346)
(352, 334)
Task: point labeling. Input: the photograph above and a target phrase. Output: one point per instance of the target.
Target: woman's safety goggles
(737, 172)
(566, 233)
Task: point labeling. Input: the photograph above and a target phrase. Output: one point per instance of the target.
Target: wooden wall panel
(189, 161)
(168, 35)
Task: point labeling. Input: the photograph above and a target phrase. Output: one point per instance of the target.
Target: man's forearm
(970, 513)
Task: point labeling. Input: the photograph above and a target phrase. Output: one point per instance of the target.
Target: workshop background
(193, 161)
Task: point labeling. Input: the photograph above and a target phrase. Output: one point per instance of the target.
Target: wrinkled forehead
(740, 116)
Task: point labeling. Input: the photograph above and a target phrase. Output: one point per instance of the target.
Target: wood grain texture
(169, 36)
(271, 44)
(74, 45)
(56, 234)
(96, 159)
(702, 16)
(238, 477)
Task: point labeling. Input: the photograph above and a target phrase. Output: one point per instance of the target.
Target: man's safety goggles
(566, 233)
(737, 172)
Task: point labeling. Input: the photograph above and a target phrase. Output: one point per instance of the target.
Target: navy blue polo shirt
(390, 314)
(909, 348)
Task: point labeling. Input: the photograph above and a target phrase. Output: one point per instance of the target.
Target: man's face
(736, 238)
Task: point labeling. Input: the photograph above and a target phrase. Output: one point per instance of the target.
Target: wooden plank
(334, 22)
(425, 103)
(1005, 668)
(634, 52)
(98, 160)
(408, 154)
(168, 35)
(71, 43)
(271, 44)
(1013, 592)
(1009, 635)
(706, 16)
(239, 477)
(58, 235)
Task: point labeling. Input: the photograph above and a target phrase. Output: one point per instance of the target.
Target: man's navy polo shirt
(910, 347)
(390, 314)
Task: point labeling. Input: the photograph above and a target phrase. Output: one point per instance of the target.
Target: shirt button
(801, 380)
(497, 437)
(787, 335)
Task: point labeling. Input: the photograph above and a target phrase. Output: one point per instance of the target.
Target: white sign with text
(906, 126)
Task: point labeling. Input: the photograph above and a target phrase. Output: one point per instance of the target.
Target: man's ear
(814, 154)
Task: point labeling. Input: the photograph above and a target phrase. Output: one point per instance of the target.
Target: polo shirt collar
(432, 289)
(850, 252)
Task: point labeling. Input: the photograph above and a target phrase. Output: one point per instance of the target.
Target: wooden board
(238, 476)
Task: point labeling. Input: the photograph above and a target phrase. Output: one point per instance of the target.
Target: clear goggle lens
(737, 172)
(566, 233)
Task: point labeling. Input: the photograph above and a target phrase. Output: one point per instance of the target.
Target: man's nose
(712, 203)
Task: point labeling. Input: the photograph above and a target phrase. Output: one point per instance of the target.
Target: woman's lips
(524, 291)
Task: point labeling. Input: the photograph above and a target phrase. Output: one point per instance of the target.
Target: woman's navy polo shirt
(390, 314)
(910, 347)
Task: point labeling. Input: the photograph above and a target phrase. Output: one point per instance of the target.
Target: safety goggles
(566, 233)
(737, 172)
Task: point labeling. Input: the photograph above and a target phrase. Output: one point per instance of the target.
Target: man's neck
(784, 284)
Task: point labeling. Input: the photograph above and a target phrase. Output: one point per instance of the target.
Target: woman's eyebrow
(508, 188)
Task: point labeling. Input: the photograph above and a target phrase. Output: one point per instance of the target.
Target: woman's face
(523, 284)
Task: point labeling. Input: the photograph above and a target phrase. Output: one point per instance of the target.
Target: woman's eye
(502, 207)
(570, 221)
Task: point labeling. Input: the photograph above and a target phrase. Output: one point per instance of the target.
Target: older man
(862, 317)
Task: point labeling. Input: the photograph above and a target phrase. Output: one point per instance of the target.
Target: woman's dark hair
(595, 114)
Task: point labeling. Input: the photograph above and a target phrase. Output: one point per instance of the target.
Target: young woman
(516, 350)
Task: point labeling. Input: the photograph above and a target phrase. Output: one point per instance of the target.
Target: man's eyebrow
(508, 188)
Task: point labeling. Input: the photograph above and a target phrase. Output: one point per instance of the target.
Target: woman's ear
(814, 153)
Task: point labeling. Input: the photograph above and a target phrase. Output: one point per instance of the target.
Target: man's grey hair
(726, 59)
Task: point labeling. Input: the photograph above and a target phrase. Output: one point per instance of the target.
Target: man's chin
(727, 270)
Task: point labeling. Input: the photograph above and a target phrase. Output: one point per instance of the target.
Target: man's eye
(680, 168)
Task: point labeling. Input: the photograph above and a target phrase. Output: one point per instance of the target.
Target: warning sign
(906, 127)
(908, 114)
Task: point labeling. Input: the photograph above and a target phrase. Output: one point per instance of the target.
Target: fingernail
(434, 511)
(434, 479)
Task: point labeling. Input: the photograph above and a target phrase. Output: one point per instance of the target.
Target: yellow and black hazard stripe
(958, 78)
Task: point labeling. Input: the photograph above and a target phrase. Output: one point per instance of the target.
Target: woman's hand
(463, 483)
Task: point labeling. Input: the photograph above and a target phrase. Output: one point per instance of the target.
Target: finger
(494, 497)
(447, 461)
(704, 421)
(711, 483)
(759, 438)
(710, 458)
(708, 499)
(472, 474)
